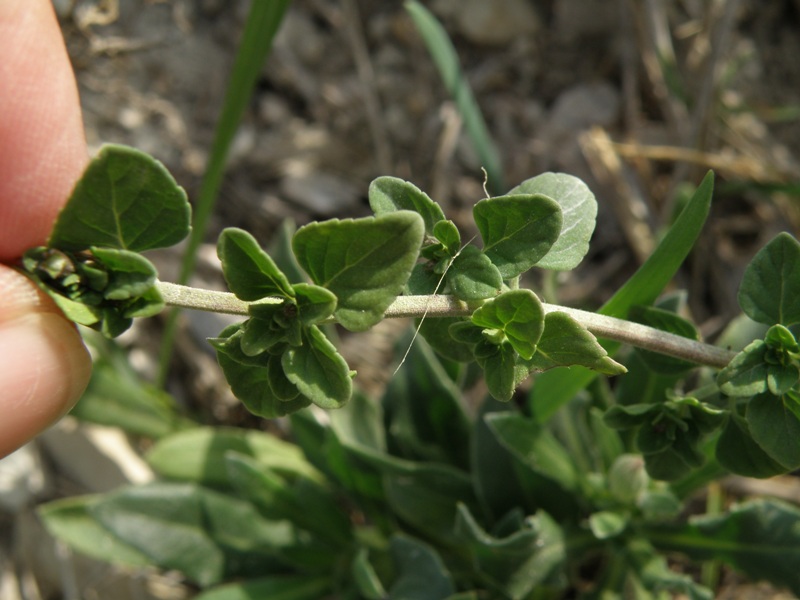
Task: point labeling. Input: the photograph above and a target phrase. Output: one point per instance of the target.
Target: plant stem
(627, 332)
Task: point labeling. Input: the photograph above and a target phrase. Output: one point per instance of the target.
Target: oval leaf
(390, 194)
(770, 289)
(249, 271)
(517, 230)
(125, 199)
(249, 377)
(473, 276)
(318, 370)
(746, 374)
(518, 314)
(566, 342)
(364, 262)
(129, 274)
(314, 303)
(774, 424)
(737, 452)
(578, 212)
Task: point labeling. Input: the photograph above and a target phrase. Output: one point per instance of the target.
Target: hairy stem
(627, 332)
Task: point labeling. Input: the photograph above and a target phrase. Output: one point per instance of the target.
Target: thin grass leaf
(444, 56)
(259, 31)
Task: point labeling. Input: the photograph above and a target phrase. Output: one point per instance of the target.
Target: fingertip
(42, 145)
(44, 370)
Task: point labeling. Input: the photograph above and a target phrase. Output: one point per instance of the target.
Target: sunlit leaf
(578, 212)
(125, 199)
(364, 262)
(517, 230)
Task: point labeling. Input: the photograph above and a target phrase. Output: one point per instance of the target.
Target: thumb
(44, 367)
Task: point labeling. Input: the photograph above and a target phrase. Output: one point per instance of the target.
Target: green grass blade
(446, 60)
(553, 389)
(259, 31)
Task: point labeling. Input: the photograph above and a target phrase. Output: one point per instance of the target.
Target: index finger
(42, 144)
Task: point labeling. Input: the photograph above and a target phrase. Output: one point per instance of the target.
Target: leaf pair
(510, 336)
(545, 221)
(279, 361)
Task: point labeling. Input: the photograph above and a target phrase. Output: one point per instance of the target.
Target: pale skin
(44, 366)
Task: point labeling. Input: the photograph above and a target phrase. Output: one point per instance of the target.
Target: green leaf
(424, 410)
(258, 336)
(626, 479)
(447, 233)
(360, 424)
(545, 470)
(518, 314)
(421, 574)
(78, 312)
(737, 452)
(249, 377)
(194, 530)
(774, 423)
(535, 447)
(424, 495)
(129, 274)
(249, 271)
(606, 524)
(781, 379)
(198, 455)
(473, 276)
(492, 467)
(500, 371)
(390, 194)
(314, 303)
(782, 338)
(437, 333)
(125, 199)
(760, 538)
(364, 262)
(566, 342)
(557, 387)
(318, 370)
(304, 503)
(578, 211)
(117, 395)
(69, 521)
(674, 462)
(656, 576)
(746, 374)
(516, 563)
(149, 304)
(770, 288)
(366, 579)
(277, 587)
(517, 230)
(627, 417)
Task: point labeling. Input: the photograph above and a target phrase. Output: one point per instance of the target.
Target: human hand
(44, 366)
